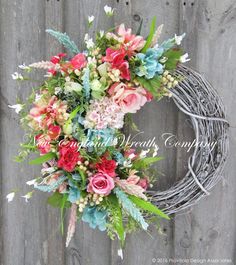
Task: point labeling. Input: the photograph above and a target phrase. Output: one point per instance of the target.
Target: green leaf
(150, 36)
(42, 159)
(81, 172)
(58, 200)
(145, 162)
(64, 199)
(151, 85)
(74, 112)
(116, 211)
(147, 206)
(173, 56)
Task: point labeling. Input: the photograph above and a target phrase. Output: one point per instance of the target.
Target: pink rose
(130, 99)
(101, 183)
(79, 61)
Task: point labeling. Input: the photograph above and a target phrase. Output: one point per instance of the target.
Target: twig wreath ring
(195, 97)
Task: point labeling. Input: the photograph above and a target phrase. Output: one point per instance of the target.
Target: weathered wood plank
(153, 120)
(24, 227)
(209, 230)
(55, 243)
(88, 246)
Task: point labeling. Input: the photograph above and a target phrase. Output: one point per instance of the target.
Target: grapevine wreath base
(195, 97)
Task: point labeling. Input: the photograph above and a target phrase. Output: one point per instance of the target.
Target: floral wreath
(76, 120)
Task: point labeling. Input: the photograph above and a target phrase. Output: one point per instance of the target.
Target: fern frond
(86, 83)
(65, 40)
(49, 188)
(130, 208)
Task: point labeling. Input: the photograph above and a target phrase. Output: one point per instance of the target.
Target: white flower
(17, 107)
(108, 10)
(90, 19)
(143, 153)
(10, 196)
(101, 32)
(120, 253)
(17, 76)
(184, 58)
(27, 196)
(24, 67)
(72, 86)
(57, 90)
(131, 156)
(38, 97)
(127, 163)
(156, 148)
(89, 41)
(31, 182)
(47, 170)
(178, 39)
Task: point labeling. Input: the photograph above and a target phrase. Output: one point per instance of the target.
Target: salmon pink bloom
(54, 131)
(43, 143)
(57, 58)
(46, 111)
(130, 99)
(131, 42)
(78, 61)
(117, 60)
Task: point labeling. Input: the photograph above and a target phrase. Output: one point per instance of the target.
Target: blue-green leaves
(64, 39)
(52, 187)
(130, 208)
(86, 83)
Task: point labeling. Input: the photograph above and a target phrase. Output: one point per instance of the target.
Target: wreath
(76, 124)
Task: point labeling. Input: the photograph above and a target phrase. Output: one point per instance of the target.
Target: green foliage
(64, 39)
(42, 159)
(147, 206)
(116, 217)
(173, 56)
(146, 162)
(130, 208)
(151, 85)
(58, 200)
(103, 43)
(150, 36)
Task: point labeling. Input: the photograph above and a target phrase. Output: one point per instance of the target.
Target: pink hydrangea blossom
(104, 114)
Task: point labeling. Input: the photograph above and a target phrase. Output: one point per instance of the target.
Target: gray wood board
(30, 232)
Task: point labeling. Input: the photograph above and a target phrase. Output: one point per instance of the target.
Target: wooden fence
(29, 233)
